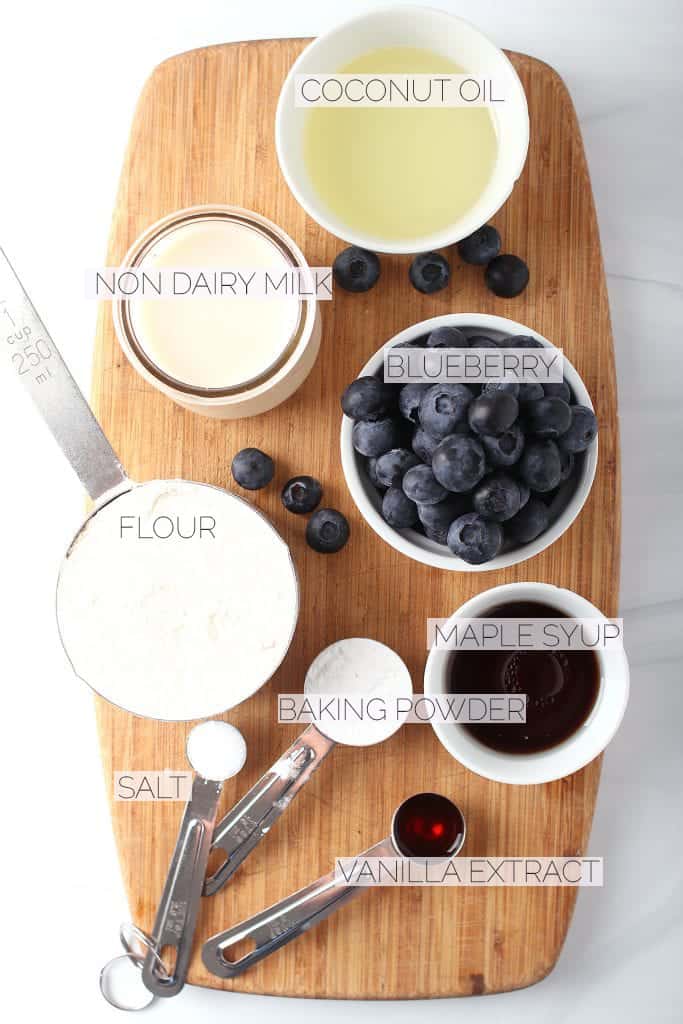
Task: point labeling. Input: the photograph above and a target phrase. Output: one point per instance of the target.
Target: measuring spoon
(363, 661)
(424, 825)
(110, 668)
(216, 751)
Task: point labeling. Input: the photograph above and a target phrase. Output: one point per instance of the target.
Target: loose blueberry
(480, 247)
(356, 270)
(509, 386)
(559, 389)
(529, 523)
(409, 400)
(422, 487)
(474, 539)
(367, 398)
(548, 417)
(493, 414)
(327, 531)
(498, 497)
(391, 467)
(582, 431)
(481, 341)
(398, 510)
(302, 494)
(530, 392)
(442, 407)
(436, 519)
(507, 276)
(447, 337)
(459, 463)
(506, 449)
(375, 437)
(540, 465)
(424, 445)
(253, 469)
(429, 272)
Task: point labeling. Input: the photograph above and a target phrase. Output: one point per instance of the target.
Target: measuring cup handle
(283, 922)
(177, 914)
(37, 362)
(243, 827)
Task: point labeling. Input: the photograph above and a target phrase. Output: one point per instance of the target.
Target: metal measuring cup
(40, 367)
(273, 928)
(246, 824)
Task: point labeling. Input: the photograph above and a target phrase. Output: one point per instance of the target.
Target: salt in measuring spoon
(274, 598)
(424, 825)
(216, 751)
(370, 669)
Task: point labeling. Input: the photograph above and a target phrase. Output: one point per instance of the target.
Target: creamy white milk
(209, 342)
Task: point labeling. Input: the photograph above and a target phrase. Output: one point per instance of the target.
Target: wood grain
(203, 133)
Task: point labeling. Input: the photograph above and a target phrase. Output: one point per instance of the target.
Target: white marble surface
(69, 76)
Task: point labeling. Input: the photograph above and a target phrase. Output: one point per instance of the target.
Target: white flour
(177, 601)
(359, 667)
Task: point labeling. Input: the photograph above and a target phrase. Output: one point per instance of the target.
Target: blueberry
(493, 414)
(375, 437)
(459, 463)
(509, 386)
(582, 431)
(548, 417)
(540, 465)
(424, 445)
(327, 531)
(253, 469)
(498, 497)
(447, 337)
(391, 467)
(443, 406)
(481, 341)
(530, 392)
(301, 494)
(475, 539)
(367, 398)
(481, 246)
(566, 463)
(356, 270)
(529, 523)
(398, 510)
(507, 276)
(371, 466)
(436, 519)
(422, 487)
(505, 449)
(522, 341)
(409, 400)
(429, 272)
(558, 390)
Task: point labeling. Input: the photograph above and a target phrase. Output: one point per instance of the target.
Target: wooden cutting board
(203, 133)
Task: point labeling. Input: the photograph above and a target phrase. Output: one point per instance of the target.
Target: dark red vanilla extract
(428, 825)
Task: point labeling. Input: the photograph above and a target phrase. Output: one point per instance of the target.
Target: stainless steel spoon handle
(284, 921)
(37, 362)
(177, 914)
(243, 827)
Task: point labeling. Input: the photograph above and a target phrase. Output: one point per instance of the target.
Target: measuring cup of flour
(355, 667)
(175, 600)
(427, 825)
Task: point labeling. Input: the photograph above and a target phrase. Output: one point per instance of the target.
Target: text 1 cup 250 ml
(202, 686)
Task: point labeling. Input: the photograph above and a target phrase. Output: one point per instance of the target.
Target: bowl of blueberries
(468, 477)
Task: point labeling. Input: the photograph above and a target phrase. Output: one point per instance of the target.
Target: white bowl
(573, 753)
(429, 29)
(414, 544)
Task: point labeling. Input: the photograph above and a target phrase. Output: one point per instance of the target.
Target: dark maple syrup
(561, 686)
(428, 825)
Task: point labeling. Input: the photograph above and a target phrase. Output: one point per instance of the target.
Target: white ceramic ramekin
(261, 395)
(573, 753)
(416, 545)
(425, 28)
